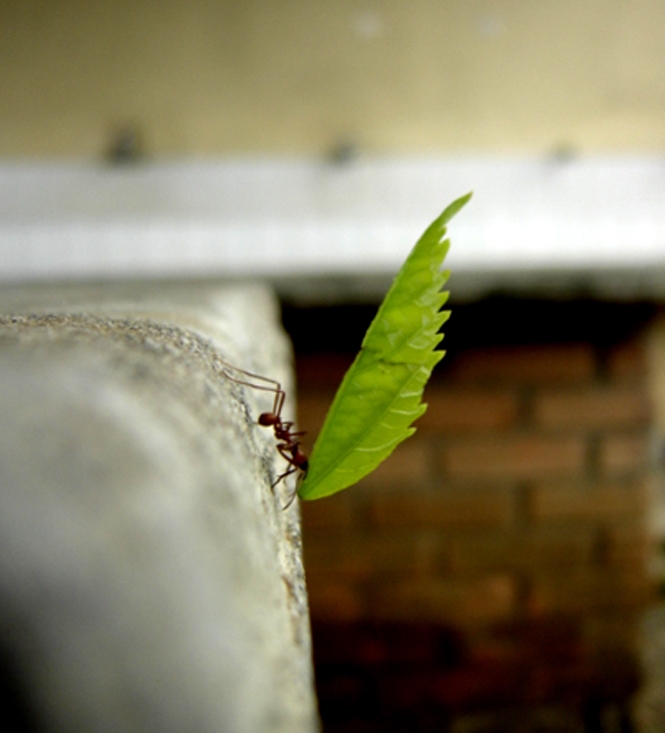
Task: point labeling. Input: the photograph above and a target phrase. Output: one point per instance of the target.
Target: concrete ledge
(149, 579)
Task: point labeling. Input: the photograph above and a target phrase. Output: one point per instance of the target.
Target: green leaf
(381, 393)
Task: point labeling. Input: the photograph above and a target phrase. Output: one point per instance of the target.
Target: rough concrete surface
(149, 579)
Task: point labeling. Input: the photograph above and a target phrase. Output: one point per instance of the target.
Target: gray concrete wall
(149, 578)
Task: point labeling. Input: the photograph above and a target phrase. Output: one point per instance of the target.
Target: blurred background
(302, 78)
(497, 573)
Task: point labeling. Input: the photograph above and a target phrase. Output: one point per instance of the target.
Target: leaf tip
(455, 207)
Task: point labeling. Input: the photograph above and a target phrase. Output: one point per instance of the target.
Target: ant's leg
(280, 396)
(286, 451)
(286, 473)
(283, 448)
(291, 499)
(269, 384)
(264, 384)
(255, 381)
(286, 429)
(295, 491)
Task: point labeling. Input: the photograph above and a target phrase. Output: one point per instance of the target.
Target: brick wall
(497, 559)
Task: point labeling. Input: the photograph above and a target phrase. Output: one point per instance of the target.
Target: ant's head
(268, 419)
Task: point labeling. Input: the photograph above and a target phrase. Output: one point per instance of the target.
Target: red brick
(368, 555)
(614, 632)
(586, 592)
(628, 360)
(514, 457)
(627, 545)
(466, 603)
(524, 551)
(463, 508)
(312, 410)
(537, 364)
(321, 372)
(624, 453)
(335, 601)
(335, 512)
(596, 408)
(578, 501)
(408, 466)
(457, 409)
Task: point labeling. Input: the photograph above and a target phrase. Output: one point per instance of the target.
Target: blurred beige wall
(300, 76)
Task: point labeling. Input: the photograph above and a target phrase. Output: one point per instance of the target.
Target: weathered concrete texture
(149, 579)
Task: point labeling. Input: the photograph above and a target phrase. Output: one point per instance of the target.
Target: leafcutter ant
(288, 440)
